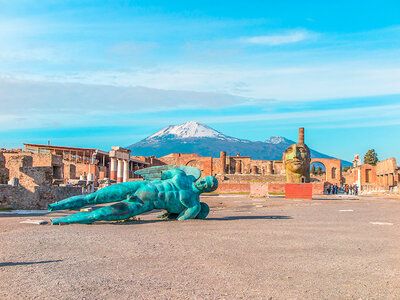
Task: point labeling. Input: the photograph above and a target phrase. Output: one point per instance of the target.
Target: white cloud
(27, 97)
(344, 79)
(279, 39)
(345, 117)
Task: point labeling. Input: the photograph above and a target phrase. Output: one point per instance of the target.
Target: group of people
(333, 189)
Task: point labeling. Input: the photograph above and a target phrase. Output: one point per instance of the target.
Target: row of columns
(386, 179)
(119, 170)
(225, 166)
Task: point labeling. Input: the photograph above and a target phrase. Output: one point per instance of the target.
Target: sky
(103, 73)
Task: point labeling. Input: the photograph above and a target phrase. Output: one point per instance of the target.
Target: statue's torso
(167, 194)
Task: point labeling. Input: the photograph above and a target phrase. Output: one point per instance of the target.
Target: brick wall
(254, 178)
(233, 188)
(277, 188)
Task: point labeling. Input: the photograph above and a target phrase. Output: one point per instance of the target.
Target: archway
(317, 172)
(195, 163)
(333, 169)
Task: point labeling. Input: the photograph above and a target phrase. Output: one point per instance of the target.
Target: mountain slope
(194, 137)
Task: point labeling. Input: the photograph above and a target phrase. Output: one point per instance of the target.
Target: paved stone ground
(247, 249)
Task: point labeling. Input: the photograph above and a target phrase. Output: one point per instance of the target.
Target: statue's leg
(74, 202)
(118, 211)
(109, 194)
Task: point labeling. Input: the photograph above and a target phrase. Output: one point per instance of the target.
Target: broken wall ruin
(35, 189)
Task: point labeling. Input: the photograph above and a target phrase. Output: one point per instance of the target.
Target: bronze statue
(297, 160)
(175, 189)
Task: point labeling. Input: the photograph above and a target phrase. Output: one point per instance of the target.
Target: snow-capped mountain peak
(276, 140)
(189, 129)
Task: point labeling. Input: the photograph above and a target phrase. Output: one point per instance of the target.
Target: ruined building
(31, 180)
(41, 174)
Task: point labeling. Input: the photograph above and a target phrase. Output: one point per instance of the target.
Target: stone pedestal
(298, 191)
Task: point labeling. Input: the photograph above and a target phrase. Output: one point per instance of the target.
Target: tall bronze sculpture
(297, 160)
(173, 188)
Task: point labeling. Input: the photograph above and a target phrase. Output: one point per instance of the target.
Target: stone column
(113, 169)
(254, 170)
(223, 162)
(301, 135)
(238, 169)
(126, 171)
(120, 171)
(391, 179)
(269, 168)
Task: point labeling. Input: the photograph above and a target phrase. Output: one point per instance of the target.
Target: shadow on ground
(7, 264)
(249, 218)
(207, 219)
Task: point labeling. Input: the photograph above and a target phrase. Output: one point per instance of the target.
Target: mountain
(190, 129)
(194, 137)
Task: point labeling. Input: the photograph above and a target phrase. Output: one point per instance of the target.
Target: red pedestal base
(298, 191)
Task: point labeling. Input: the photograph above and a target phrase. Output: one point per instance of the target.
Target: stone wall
(35, 173)
(16, 161)
(212, 166)
(31, 177)
(38, 198)
(4, 173)
(233, 188)
(205, 164)
(386, 166)
(259, 189)
(251, 178)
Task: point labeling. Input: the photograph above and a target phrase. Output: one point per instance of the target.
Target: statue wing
(156, 173)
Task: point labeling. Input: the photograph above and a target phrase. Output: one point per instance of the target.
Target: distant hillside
(193, 137)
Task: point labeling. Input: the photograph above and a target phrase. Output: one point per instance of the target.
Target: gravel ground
(247, 249)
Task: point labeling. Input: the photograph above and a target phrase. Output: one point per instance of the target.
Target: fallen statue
(173, 188)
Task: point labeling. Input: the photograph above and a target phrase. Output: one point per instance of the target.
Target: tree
(319, 170)
(313, 169)
(345, 169)
(371, 157)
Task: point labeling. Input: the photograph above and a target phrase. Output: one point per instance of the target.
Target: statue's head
(207, 184)
(297, 163)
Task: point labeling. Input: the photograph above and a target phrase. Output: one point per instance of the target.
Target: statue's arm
(192, 203)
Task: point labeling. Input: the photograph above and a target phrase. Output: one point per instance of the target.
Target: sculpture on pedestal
(173, 188)
(297, 160)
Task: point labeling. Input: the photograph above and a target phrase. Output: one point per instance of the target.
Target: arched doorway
(317, 172)
(195, 163)
(333, 169)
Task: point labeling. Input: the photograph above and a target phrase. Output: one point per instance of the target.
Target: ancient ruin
(41, 174)
(384, 177)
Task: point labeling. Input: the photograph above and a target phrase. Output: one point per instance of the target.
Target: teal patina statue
(173, 188)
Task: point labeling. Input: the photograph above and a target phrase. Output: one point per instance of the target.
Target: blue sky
(102, 73)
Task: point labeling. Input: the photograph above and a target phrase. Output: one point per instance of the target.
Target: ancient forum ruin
(37, 175)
